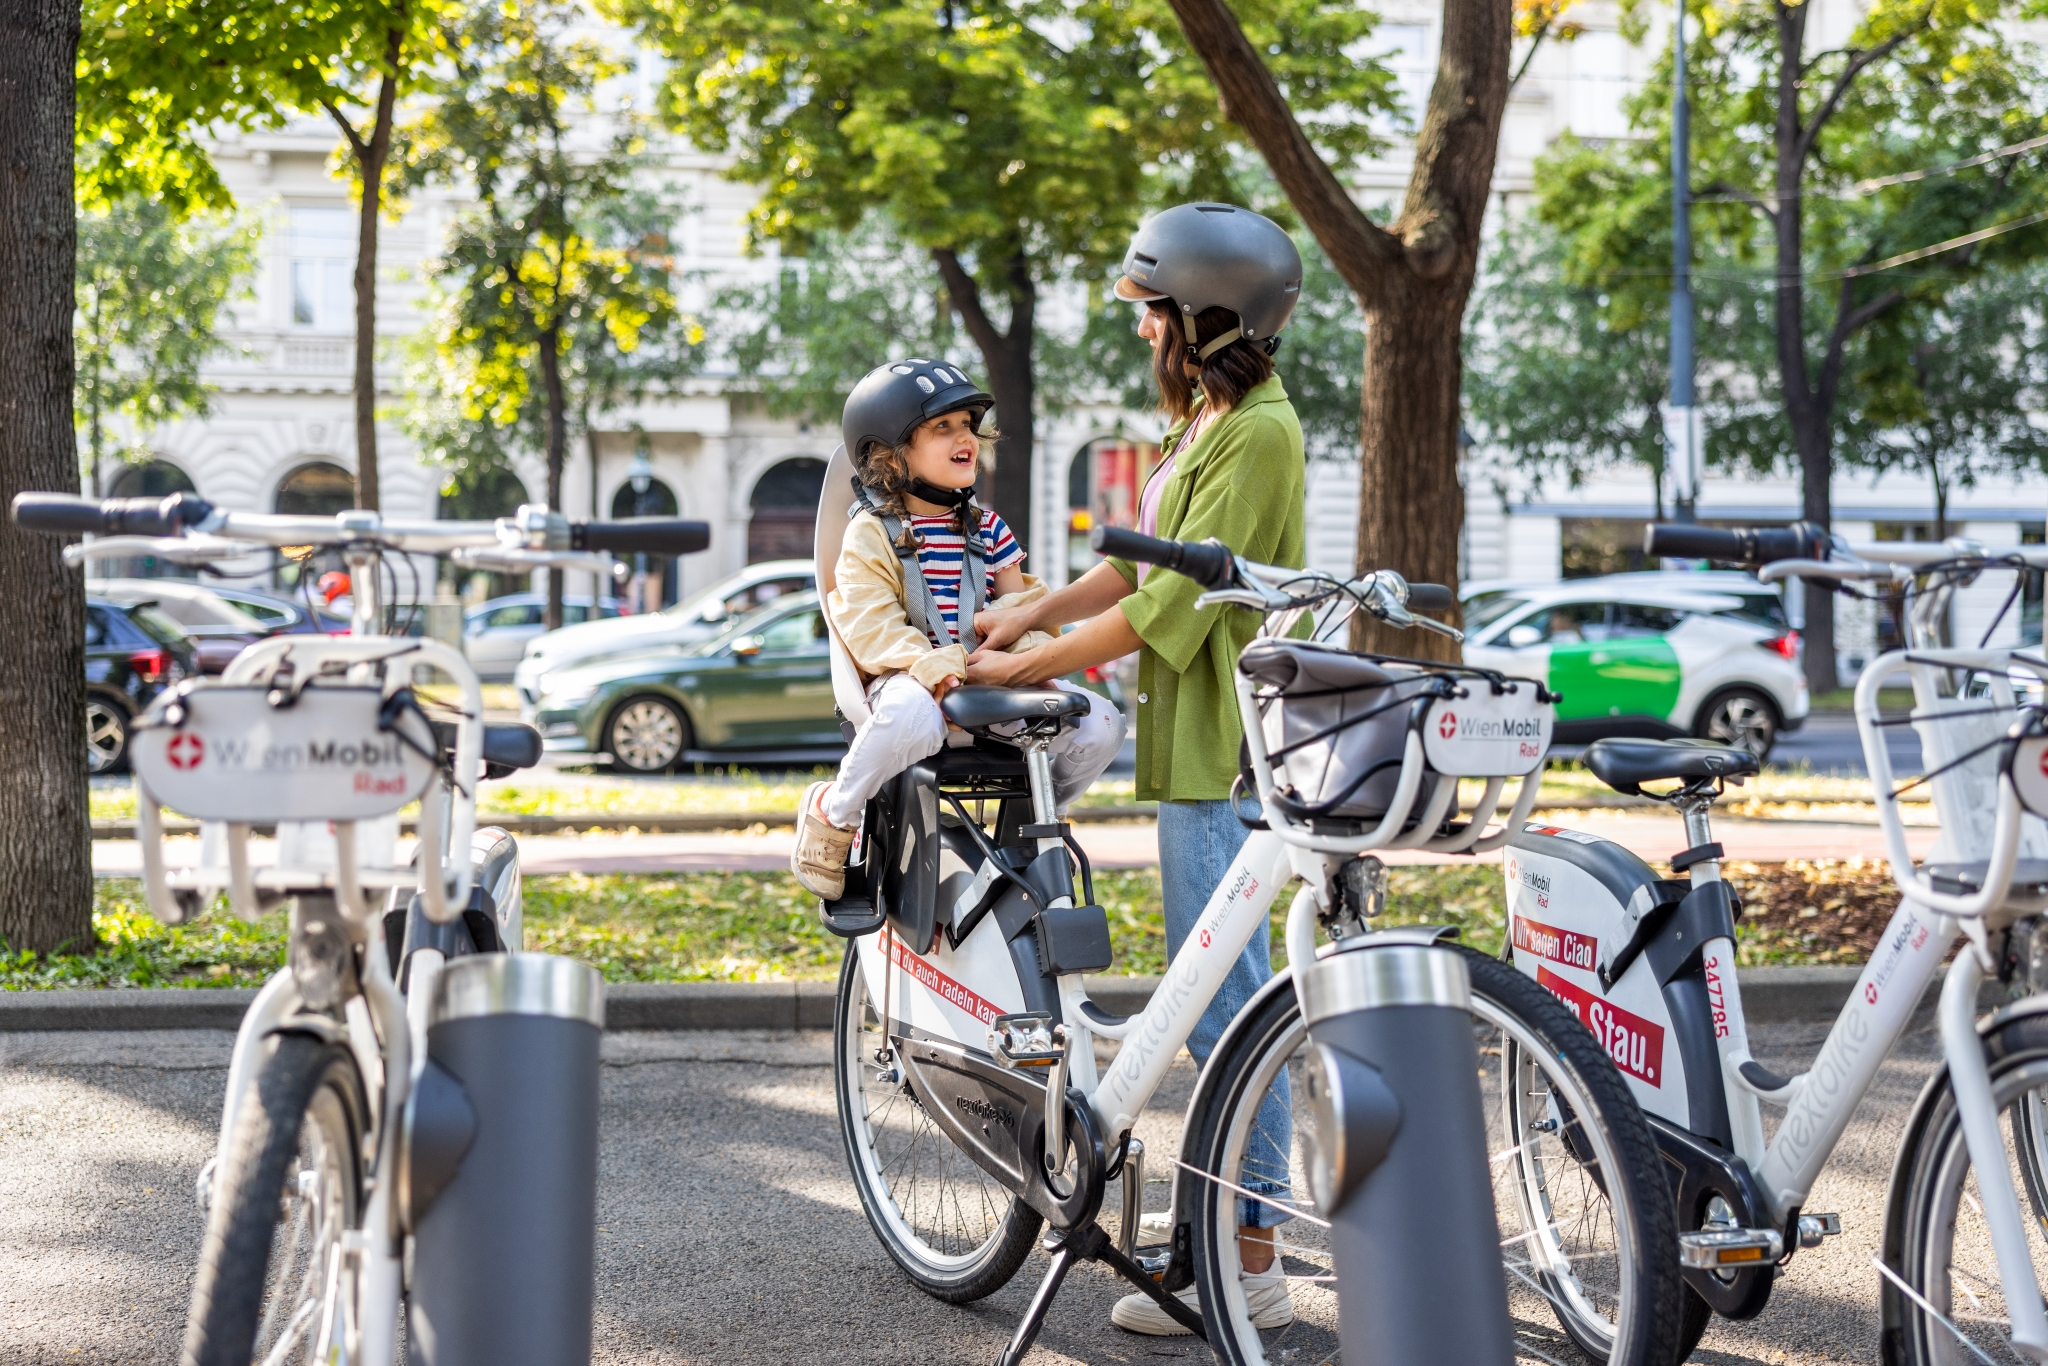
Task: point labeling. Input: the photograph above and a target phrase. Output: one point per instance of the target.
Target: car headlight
(573, 696)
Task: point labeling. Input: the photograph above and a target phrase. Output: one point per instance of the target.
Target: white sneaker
(1155, 1228)
(1265, 1296)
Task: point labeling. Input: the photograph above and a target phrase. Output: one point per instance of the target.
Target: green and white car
(1652, 658)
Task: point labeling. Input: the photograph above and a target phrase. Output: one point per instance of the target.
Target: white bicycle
(970, 1099)
(437, 1149)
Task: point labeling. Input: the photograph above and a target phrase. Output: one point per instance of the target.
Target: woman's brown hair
(1225, 377)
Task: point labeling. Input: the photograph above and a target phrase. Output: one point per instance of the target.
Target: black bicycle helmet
(889, 403)
(1204, 256)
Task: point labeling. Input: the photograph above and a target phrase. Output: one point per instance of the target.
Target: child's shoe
(819, 859)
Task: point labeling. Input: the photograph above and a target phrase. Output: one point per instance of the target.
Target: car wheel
(1742, 717)
(106, 735)
(647, 735)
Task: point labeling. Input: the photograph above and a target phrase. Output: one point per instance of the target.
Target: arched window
(480, 495)
(150, 479)
(784, 516)
(316, 489)
(1104, 485)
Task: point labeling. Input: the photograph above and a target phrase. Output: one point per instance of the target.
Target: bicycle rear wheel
(952, 1227)
(1588, 1236)
(273, 1284)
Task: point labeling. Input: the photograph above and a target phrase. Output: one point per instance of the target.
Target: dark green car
(760, 690)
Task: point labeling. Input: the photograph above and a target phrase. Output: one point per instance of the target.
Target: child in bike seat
(919, 560)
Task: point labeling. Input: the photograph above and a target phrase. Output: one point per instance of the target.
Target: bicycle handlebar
(1430, 597)
(1737, 545)
(1208, 563)
(642, 536)
(64, 514)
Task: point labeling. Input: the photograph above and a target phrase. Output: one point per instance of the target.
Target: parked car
(688, 622)
(132, 653)
(763, 684)
(219, 629)
(495, 635)
(285, 615)
(1646, 659)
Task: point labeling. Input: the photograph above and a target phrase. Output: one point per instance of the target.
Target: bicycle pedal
(1814, 1227)
(1720, 1248)
(1026, 1040)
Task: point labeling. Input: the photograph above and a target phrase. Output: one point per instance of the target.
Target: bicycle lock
(498, 1166)
(1398, 1161)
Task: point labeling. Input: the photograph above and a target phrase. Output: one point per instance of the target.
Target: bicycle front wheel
(273, 1284)
(1944, 1246)
(1588, 1237)
(951, 1226)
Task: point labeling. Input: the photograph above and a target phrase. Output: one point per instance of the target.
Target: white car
(1634, 655)
(687, 622)
(495, 635)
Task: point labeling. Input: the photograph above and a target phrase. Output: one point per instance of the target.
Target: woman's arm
(1090, 595)
(1108, 636)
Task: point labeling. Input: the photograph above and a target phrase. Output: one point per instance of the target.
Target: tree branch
(356, 145)
(1535, 44)
(1848, 321)
(1857, 65)
(1722, 187)
(1362, 252)
(966, 296)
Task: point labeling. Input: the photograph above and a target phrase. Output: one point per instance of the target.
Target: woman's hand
(1005, 670)
(1000, 627)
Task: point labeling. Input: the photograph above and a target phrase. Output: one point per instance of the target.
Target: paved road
(730, 1230)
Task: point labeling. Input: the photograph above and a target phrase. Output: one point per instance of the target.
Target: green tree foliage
(150, 290)
(155, 77)
(1568, 379)
(555, 292)
(1947, 390)
(1016, 142)
(1811, 167)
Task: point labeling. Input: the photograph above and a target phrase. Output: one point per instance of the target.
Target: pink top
(1155, 487)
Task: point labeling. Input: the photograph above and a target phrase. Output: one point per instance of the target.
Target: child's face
(945, 451)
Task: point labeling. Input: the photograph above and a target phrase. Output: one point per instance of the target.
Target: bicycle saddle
(1625, 765)
(976, 706)
(508, 745)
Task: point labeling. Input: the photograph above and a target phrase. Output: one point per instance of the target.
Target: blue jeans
(1197, 841)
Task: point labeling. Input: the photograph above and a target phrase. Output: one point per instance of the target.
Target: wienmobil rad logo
(186, 750)
(1489, 727)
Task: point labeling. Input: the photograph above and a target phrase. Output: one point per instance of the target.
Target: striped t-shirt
(939, 558)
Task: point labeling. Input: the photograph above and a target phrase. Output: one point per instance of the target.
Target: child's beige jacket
(868, 611)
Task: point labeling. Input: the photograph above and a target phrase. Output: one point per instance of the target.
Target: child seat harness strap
(919, 603)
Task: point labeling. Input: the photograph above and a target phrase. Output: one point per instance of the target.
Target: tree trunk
(557, 448)
(1412, 279)
(45, 835)
(1411, 510)
(1011, 379)
(370, 159)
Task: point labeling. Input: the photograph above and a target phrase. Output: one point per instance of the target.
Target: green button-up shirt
(1242, 482)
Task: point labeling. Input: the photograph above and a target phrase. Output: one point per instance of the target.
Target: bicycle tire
(1647, 1287)
(1941, 1238)
(886, 1132)
(245, 1279)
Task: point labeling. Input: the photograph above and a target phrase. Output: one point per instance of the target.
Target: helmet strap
(1217, 343)
(932, 493)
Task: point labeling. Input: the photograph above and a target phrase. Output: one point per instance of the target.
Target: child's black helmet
(893, 399)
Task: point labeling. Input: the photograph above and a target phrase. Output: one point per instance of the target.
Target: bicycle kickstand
(1089, 1244)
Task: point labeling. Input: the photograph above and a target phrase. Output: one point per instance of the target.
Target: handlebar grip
(1738, 545)
(66, 514)
(1430, 597)
(1206, 562)
(642, 536)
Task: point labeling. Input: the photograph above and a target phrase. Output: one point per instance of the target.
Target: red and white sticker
(2030, 774)
(1484, 734)
(940, 985)
(1568, 947)
(1635, 1044)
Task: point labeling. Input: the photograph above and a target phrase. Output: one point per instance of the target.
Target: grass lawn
(750, 927)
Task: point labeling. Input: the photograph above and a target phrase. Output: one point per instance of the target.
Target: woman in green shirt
(1217, 284)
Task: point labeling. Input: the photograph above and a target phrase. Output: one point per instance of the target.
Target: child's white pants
(905, 725)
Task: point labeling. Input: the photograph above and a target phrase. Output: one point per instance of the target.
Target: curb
(1769, 996)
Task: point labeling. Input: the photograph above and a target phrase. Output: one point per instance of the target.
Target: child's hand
(944, 686)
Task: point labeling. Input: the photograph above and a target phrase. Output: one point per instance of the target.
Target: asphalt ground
(729, 1228)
